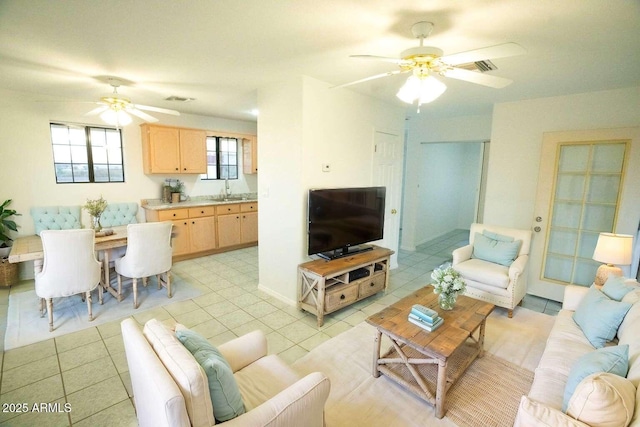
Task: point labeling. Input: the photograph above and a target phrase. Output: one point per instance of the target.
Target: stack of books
(425, 317)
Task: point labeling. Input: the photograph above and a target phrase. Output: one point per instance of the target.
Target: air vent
(482, 66)
(179, 99)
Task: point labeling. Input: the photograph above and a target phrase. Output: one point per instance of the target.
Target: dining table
(29, 248)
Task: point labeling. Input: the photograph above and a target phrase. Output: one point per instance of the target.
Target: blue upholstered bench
(119, 214)
(56, 218)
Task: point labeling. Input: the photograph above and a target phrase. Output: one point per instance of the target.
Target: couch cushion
(565, 345)
(616, 287)
(603, 400)
(535, 414)
(484, 272)
(263, 379)
(613, 360)
(225, 395)
(492, 250)
(599, 317)
(185, 371)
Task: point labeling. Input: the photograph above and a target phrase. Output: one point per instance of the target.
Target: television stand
(325, 286)
(343, 252)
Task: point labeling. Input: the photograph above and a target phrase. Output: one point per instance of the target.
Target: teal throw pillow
(225, 394)
(614, 360)
(496, 251)
(615, 288)
(496, 236)
(599, 317)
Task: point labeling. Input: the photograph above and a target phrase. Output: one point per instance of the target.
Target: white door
(587, 185)
(387, 172)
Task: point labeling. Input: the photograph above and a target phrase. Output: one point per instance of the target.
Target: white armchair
(170, 388)
(148, 254)
(503, 284)
(70, 267)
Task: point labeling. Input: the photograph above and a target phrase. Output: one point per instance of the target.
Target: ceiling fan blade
(144, 116)
(157, 109)
(491, 52)
(479, 78)
(377, 76)
(397, 61)
(97, 111)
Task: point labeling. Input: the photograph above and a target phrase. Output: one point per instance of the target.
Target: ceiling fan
(426, 61)
(114, 109)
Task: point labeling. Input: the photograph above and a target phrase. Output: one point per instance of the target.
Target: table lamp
(612, 249)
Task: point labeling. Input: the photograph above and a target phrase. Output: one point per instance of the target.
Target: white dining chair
(148, 254)
(70, 267)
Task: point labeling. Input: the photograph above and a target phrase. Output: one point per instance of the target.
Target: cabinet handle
(184, 169)
(177, 169)
(342, 296)
(174, 214)
(201, 212)
(193, 222)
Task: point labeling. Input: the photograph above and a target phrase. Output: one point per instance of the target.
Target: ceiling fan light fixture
(115, 117)
(425, 89)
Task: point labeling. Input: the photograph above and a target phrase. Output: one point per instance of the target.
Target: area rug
(486, 395)
(25, 326)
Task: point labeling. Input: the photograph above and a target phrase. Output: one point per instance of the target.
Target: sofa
(601, 398)
(170, 388)
(494, 264)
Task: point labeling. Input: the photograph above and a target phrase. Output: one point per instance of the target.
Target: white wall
(26, 159)
(516, 144)
(424, 218)
(303, 124)
(516, 141)
(448, 180)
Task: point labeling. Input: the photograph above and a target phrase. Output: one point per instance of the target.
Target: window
(222, 158)
(86, 153)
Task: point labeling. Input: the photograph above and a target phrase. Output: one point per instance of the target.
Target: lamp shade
(115, 117)
(614, 248)
(423, 88)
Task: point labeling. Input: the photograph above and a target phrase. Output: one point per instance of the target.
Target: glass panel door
(584, 203)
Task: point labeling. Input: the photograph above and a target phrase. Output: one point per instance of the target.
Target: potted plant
(176, 191)
(8, 271)
(6, 225)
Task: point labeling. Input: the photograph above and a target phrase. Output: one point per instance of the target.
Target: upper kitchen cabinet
(249, 155)
(171, 150)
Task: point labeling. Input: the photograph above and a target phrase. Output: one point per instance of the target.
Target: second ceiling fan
(426, 61)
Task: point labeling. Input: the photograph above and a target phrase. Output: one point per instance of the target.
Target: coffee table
(429, 363)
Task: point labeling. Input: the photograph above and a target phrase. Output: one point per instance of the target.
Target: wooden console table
(326, 286)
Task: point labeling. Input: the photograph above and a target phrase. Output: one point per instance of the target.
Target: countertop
(157, 204)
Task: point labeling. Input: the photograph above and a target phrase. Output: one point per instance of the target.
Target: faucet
(227, 189)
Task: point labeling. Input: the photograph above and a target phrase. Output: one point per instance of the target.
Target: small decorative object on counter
(177, 187)
(95, 209)
(447, 284)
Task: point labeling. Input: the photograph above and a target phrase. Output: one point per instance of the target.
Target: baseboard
(277, 296)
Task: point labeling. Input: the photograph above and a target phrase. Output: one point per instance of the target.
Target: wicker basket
(8, 273)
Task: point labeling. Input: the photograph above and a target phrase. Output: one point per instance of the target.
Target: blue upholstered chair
(56, 218)
(119, 214)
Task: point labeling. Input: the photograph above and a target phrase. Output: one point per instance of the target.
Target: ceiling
(221, 51)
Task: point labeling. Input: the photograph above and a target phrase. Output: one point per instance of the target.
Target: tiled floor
(87, 370)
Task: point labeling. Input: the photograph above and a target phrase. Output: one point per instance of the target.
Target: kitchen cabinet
(210, 228)
(172, 150)
(237, 224)
(250, 155)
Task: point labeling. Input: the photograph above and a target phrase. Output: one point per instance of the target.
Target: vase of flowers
(448, 284)
(95, 209)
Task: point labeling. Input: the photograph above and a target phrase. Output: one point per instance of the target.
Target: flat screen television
(339, 219)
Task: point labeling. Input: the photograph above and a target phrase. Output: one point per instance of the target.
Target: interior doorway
(451, 186)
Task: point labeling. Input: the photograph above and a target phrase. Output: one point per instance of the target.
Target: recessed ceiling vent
(482, 66)
(179, 99)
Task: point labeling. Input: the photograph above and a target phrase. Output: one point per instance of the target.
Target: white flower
(448, 282)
